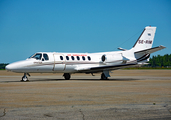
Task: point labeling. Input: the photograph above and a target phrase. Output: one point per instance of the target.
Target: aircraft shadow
(120, 79)
(97, 80)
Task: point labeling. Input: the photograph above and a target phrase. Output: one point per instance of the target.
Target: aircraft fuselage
(68, 62)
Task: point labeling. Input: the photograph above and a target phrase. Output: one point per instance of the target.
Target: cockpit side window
(37, 56)
(45, 56)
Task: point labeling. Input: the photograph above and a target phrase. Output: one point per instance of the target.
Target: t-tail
(143, 46)
(145, 41)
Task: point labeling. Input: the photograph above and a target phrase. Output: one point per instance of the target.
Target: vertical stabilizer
(145, 41)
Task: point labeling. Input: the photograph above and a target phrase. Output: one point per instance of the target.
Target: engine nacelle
(113, 59)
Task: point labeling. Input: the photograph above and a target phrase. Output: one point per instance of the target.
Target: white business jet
(104, 62)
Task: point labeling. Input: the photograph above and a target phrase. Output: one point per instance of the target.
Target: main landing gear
(24, 78)
(103, 77)
(67, 76)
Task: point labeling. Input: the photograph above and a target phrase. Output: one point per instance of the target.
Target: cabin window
(67, 57)
(72, 57)
(89, 58)
(45, 56)
(78, 58)
(61, 57)
(149, 34)
(83, 57)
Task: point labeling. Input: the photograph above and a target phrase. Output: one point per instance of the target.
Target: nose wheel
(24, 78)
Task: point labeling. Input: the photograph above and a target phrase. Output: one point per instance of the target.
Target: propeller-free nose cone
(12, 67)
(8, 67)
(15, 67)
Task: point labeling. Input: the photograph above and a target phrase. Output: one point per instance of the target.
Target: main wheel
(103, 77)
(67, 76)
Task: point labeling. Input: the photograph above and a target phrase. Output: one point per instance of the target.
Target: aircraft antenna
(130, 38)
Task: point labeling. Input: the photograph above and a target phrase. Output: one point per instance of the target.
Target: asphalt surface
(127, 95)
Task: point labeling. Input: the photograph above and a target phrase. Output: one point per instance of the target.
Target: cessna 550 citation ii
(104, 62)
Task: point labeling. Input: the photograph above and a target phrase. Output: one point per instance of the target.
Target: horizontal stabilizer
(151, 50)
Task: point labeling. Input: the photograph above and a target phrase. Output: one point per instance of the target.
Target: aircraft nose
(9, 67)
(18, 66)
(12, 67)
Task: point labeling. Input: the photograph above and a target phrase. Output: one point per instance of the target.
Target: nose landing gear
(24, 78)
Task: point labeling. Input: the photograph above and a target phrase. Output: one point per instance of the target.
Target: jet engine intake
(103, 58)
(112, 59)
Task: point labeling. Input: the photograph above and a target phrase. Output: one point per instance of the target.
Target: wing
(101, 68)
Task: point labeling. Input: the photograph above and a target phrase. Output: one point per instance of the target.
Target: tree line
(160, 61)
(2, 66)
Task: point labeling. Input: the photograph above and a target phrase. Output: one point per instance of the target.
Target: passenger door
(47, 63)
(59, 62)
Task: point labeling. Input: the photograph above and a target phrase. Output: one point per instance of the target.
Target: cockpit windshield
(37, 56)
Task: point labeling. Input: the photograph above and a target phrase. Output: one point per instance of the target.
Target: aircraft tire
(67, 76)
(24, 79)
(103, 77)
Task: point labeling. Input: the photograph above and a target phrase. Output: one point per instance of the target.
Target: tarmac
(127, 95)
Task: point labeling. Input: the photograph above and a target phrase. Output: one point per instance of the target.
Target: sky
(81, 26)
